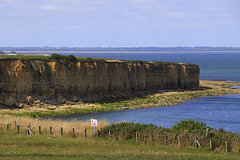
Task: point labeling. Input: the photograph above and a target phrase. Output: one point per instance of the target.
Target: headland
(48, 87)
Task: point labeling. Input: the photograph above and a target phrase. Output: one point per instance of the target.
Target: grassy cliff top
(44, 57)
(78, 59)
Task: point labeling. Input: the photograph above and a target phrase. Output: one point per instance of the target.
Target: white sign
(94, 122)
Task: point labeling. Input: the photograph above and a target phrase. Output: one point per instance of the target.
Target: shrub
(71, 58)
(57, 56)
(128, 130)
(90, 59)
(63, 57)
(190, 125)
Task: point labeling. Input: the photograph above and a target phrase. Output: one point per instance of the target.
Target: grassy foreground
(46, 146)
(33, 146)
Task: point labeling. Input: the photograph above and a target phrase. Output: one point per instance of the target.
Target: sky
(119, 23)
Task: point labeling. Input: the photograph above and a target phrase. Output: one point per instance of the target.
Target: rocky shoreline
(144, 100)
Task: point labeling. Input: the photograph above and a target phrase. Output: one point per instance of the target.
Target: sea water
(216, 112)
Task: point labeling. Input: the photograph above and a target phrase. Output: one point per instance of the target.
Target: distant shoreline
(48, 52)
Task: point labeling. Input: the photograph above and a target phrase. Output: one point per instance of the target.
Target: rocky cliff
(23, 80)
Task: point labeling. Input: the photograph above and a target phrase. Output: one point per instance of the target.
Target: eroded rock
(10, 102)
(35, 79)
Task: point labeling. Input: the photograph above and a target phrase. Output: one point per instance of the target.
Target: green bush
(57, 56)
(128, 130)
(190, 126)
(90, 59)
(63, 57)
(71, 58)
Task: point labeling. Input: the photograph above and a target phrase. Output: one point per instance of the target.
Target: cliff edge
(28, 80)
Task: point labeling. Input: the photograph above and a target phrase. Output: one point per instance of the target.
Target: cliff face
(46, 79)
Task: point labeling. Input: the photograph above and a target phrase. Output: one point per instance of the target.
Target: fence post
(85, 133)
(50, 130)
(39, 129)
(237, 139)
(237, 144)
(179, 141)
(226, 144)
(61, 131)
(18, 129)
(109, 134)
(136, 136)
(210, 145)
(165, 139)
(28, 131)
(97, 133)
(7, 127)
(73, 133)
(195, 142)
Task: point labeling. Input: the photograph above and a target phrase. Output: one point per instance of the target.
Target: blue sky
(119, 23)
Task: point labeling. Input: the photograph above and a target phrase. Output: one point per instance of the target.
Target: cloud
(143, 1)
(6, 1)
(177, 14)
(52, 8)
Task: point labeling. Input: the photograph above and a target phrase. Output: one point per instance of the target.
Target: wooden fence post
(179, 141)
(210, 145)
(195, 142)
(136, 136)
(61, 131)
(18, 129)
(109, 134)
(237, 144)
(28, 131)
(7, 127)
(74, 133)
(39, 129)
(50, 130)
(198, 143)
(97, 133)
(165, 139)
(226, 144)
(85, 133)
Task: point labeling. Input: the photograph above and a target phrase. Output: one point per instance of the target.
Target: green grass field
(14, 146)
